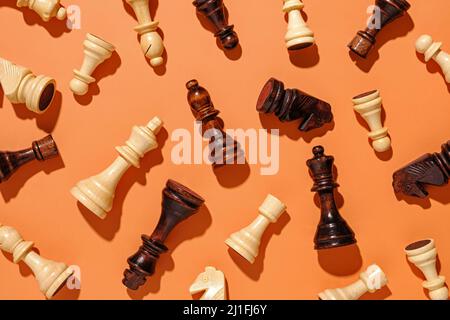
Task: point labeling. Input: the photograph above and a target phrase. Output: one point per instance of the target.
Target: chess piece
(298, 36)
(423, 255)
(332, 231)
(96, 51)
(212, 283)
(151, 42)
(389, 10)
(214, 11)
(293, 104)
(40, 150)
(371, 280)
(432, 50)
(368, 105)
(97, 193)
(46, 9)
(432, 169)
(20, 85)
(179, 203)
(246, 241)
(50, 275)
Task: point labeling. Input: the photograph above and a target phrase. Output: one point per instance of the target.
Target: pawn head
(423, 43)
(79, 87)
(382, 145)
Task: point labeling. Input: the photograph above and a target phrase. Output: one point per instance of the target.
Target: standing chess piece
(50, 275)
(179, 203)
(432, 50)
(97, 193)
(298, 36)
(20, 85)
(96, 51)
(246, 241)
(212, 283)
(151, 42)
(40, 150)
(371, 280)
(432, 169)
(368, 105)
(46, 9)
(388, 11)
(423, 255)
(214, 11)
(332, 231)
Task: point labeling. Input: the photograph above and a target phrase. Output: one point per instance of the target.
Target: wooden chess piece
(50, 275)
(423, 255)
(214, 11)
(179, 203)
(40, 150)
(151, 42)
(97, 193)
(332, 231)
(368, 105)
(389, 10)
(298, 35)
(293, 104)
(212, 283)
(20, 85)
(432, 50)
(46, 9)
(96, 51)
(246, 241)
(432, 169)
(371, 280)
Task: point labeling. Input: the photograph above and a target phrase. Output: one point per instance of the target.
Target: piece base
(59, 283)
(87, 202)
(233, 244)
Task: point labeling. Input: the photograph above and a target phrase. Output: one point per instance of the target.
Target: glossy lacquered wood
(212, 283)
(46, 9)
(432, 50)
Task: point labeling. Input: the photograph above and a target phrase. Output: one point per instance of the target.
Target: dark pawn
(293, 104)
(332, 231)
(431, 169)
(178, 204)
(214, 11)
(389, 10)
(40, 150)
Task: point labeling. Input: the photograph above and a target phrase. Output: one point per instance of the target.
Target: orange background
(38, 203)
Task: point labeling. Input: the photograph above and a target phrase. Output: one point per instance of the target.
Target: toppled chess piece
(46, 9)
(212, 283)
(432, 50)
(298, 35)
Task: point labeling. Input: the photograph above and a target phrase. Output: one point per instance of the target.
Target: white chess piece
(298, 36)
(432, 50)
(46, 9)
(212, 283)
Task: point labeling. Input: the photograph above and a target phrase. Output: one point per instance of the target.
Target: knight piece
(432, 50)
(212, 283)
(385, 12)
(46, 9)
(332, 231)
(298, 35)
(179, 203)
(431, 169)
(293, 104)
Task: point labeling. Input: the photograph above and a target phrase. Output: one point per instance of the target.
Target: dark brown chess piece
(214, 11)
(431, 169)
(389, 11)
(332, 231)
(40, 150)
(293, 104)
(178, 204)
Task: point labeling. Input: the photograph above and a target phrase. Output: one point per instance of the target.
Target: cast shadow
(421, 276)
(433, 67)
(2, 96)
(305, 58)
(440, 194)
(340, 261)
(232, 175)
(67, 294)
(381, 294)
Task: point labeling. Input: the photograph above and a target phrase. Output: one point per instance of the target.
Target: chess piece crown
(432, 50)
(46, 9)
(212, 283)
(298, 35)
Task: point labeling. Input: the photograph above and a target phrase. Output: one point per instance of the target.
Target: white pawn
(96, 51)
(212, 283)
(423, 255)
(432, 50)
(97, 193)
(298, 36)
(46, 9)
(368, 105)
(371, 280)
(246, 241)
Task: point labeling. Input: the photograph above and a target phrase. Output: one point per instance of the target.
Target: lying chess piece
(96, 51)
(368, 105)
(214, 11)
(293, 104)
(371, 280)
(298, 36)
(40, 150)
(97, 193)
(432, 50)
(179, 203)
(246, 241)
(389, 11)
(151, 42)
(46, 9)
(20, 85)
(50, 275)
(423, 255)
(432, 169)
(212, 283)
(332, 231)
